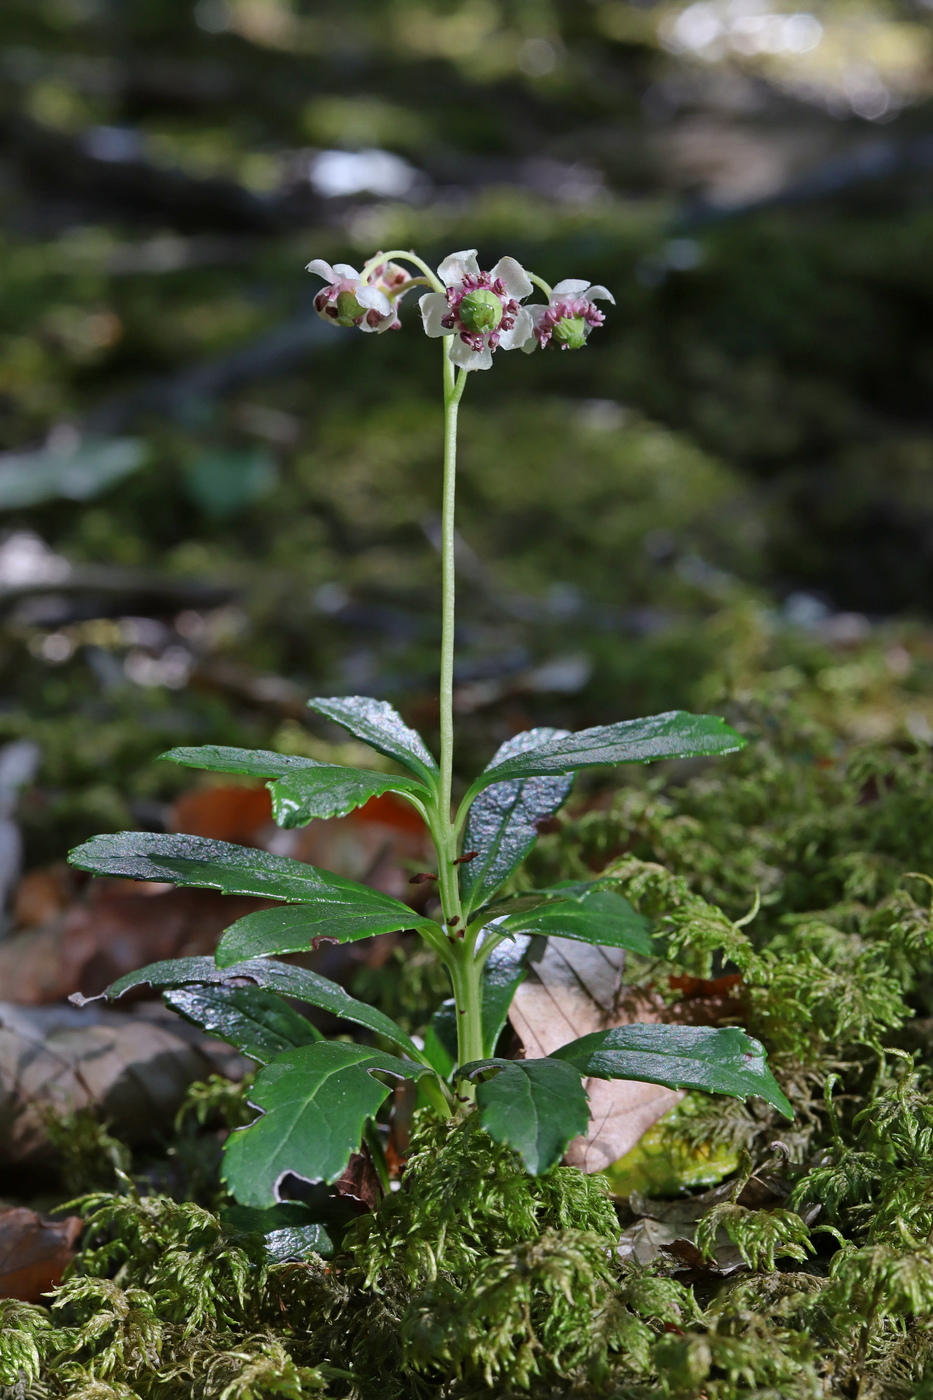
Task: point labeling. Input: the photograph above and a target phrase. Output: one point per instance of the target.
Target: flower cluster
(478, 312)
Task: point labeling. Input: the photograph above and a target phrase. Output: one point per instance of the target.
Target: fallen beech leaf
(133, 1068)
(376, 844)
(571, 990)
(34, 1252)
(43, 894)
(226, 812)
(116, 928)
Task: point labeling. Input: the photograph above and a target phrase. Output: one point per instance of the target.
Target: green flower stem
(466, 976)
(419, 263)
(540, 283)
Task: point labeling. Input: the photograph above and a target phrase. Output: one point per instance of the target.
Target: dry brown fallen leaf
(133, 1067)
(573, 989)
(34, 1252)
(114, 927)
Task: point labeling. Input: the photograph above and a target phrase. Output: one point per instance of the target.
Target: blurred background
(213, 505)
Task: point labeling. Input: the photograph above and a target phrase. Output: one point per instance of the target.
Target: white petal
(518, 335)
(456, 266)
(372, 298)
(467, 358)
(433, 309)
(345, 270)
(600, 294)
(322, 269)
(531, 345)
(570, 287)
(514, 277)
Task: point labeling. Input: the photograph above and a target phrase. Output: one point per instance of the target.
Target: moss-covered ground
(474, 1279)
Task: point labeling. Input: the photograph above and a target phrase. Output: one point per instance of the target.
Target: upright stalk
(462, 966)
(452, 392)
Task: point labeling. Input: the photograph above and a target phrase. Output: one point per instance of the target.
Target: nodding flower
(569, 315)
(480, 311)
(349, 301)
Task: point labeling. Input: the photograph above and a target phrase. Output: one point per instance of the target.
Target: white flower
(569, 315)
(480, 310)
(349, 301)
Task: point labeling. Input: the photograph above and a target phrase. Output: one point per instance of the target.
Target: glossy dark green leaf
(290, 981)
(377, 724)
(723, 1061)
(503, 973)
(293, 929)
(528, 900)
(329, 791)
(314, 1103)
(289, 1229)
(255, 763)
(440, 1038)
(602, 917)
(676, 734)
(502, 825)
(305, 788)
(535, 1106)
(233, 870)
(260, 1023)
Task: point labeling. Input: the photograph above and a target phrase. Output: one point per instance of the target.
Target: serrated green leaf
(297, 982)
(294, 928)
(260, 1023)
(219, 865)
(528, 900)
(725, 1061)
(676, 734)
(315, 1101)
(303, 788)
(535, 1106)
(502, 825)
(603, 917)
(382, 727)
(503, 973)
(330, 791)
(255, 763)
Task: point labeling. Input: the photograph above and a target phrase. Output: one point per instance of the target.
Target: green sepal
(676, 734)
(602, 917)
(724, 1061)
(297, 982)
(383, 729)
(314, 1101)
(294, 928)
(259, 1023)
(534, 1106)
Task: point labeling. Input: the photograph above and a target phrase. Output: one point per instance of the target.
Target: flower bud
(481, 311)
(570, 332)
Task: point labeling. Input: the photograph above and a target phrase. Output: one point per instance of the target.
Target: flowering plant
(317, 1099)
